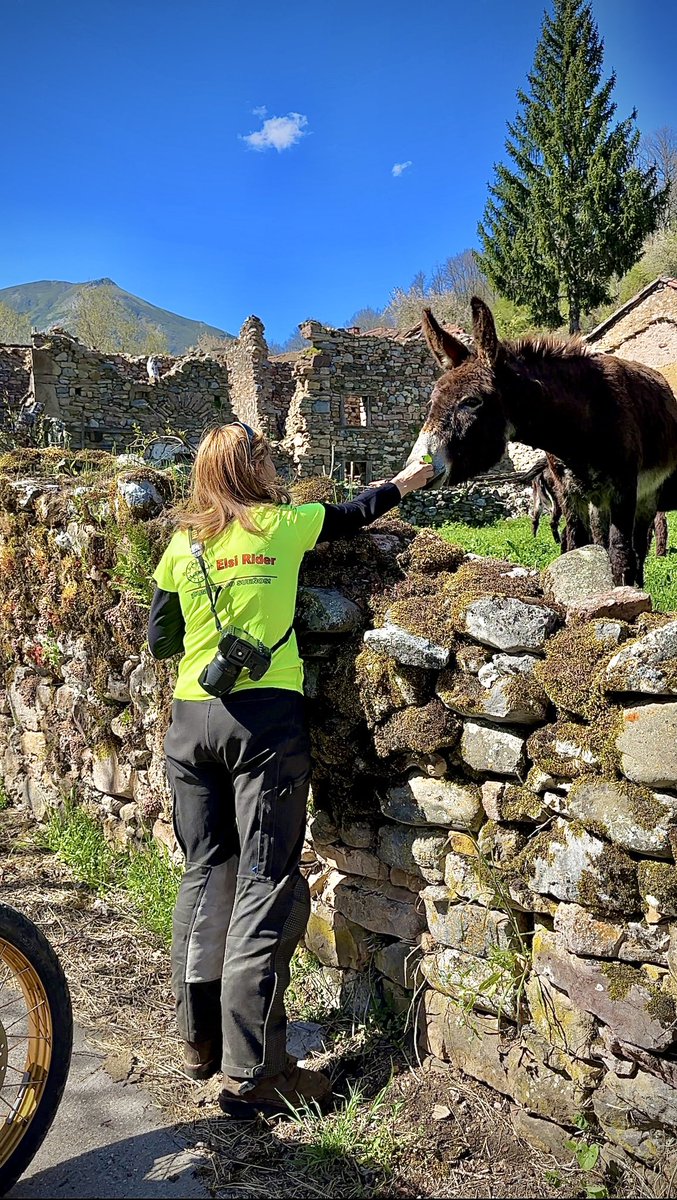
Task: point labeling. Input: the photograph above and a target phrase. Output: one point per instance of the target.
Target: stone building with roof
(644, 329)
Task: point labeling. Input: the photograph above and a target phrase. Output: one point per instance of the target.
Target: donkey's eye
(471, 401)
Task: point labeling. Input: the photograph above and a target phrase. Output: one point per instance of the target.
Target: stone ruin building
(348, 405)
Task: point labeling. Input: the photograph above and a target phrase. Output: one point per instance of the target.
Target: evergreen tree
(573, 208)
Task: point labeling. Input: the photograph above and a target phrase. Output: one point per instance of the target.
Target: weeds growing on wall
(147, 874)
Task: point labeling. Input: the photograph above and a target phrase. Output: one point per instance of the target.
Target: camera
(237, 651)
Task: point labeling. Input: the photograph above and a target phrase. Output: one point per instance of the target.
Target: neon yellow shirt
(258, 573)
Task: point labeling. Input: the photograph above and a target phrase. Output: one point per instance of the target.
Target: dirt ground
(428, 1134)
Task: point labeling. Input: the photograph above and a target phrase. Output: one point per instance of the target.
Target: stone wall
(15, 374)
(357, 400)
(492, 841)
(260, 389)
(102, 398)
(349, 405)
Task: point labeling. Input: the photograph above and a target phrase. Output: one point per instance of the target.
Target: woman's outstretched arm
(344, 520)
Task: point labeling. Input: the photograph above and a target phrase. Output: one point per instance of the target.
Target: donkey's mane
(546, 346)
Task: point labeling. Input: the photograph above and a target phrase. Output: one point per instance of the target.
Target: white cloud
(277, 133)
(260, 111)
(399, 168)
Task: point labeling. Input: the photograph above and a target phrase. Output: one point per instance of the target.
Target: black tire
(27, 938)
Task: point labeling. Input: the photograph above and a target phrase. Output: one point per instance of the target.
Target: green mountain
(49, 302)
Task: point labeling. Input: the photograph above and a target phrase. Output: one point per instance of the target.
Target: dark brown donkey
(612, 423)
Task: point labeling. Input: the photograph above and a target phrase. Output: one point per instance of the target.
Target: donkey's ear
(484, 331)
(444, 347)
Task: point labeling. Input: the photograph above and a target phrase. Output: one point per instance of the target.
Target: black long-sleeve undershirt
(166, 625)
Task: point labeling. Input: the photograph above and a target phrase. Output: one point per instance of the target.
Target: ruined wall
(492, 843)
(15, 374)
(358, 400)
(101, 397)
(357, 407)
(257, 385)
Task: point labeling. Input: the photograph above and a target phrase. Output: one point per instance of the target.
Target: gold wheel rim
(24, 1078)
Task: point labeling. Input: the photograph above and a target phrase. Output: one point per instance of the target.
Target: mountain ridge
(50, 302)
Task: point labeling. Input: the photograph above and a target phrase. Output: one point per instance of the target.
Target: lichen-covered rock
(506, 802)
(558, 1020)
(379, 907)
(417, 851)
(360, 834)
(539, 1088)
(577, 575)
(468, 877)
(109, 775)
(472, 1043)
(426, 730)
(495, 750)
(322, 829)
(22, 697)
(595, 937)
(139, 496)
(352, 861)
(326, 611)
(567, 862)
(422, 800)
(572, 663)
(648, 665)
(635, 1009)
(647, 743)
(639, 1114)
(499, 844)
(471, 927)
(620, 604)
(335, 940)
(473, 982)
(542, 1134)
(633, 817)
(408, 648)
(658, 889)
(508, 623)
(508, 700)
(565, 750)
(399, 962)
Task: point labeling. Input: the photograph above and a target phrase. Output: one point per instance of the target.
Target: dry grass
(382, 1142)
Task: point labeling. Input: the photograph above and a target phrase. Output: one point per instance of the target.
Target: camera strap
(196, 549)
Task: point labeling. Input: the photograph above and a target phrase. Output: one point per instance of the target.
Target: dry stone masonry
(491, 847)
(347, 406)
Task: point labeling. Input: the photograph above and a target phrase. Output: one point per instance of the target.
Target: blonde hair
(225, 483)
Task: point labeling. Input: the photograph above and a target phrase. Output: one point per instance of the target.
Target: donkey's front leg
(621, 539)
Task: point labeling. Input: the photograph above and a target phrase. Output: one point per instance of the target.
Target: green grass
(513, 540)
(79, 841)
(146, 874)
(361, 1134)
(152, 882)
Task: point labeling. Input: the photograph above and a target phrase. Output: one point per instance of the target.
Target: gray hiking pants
(239, 771)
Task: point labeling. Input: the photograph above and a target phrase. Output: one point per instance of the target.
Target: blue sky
(124, 154)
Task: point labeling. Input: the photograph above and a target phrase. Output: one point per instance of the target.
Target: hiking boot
(272, 1095)
(201, 1060)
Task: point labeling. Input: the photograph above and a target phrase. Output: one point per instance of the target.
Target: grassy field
(513, 540)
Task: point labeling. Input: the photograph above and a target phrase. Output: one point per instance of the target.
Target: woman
(238, 757)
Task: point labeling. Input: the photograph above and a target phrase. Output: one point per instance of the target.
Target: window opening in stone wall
(218, 402)
(78, 391)
(356, 471)
(355, 412)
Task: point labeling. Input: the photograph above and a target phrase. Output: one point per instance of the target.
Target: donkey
(612, 423)
(545, 496)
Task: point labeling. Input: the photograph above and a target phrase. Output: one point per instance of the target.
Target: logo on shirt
(248, 560)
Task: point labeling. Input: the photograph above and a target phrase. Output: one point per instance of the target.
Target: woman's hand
(414, 476)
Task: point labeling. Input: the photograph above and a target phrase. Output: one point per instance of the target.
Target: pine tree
(573, 207)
